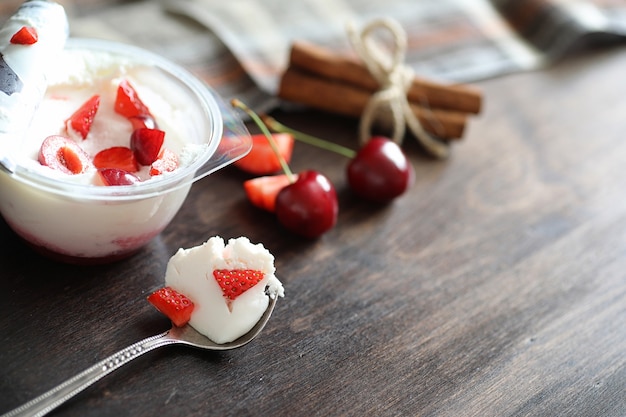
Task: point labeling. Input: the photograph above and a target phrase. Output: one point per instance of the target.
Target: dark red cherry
(380, 171)
(115, 176)
(63, 154)
(309, 206)
(143, 121)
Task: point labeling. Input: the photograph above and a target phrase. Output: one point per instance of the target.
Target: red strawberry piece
(235, 282)
(120, 157)
(262, 191)
(115, 176)
(63, 154)
(128, 103)
(261, 160)
(82, 118)
(166, 162)
(25, 36)
(146, 144)
(173, 304)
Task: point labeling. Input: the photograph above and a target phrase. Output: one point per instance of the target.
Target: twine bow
(394, 79)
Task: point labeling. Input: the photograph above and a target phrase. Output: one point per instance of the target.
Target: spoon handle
(50, 400)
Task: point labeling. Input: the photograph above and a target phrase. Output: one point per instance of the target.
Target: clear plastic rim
(179, 178)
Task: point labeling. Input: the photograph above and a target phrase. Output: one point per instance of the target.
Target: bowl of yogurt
(84, 216)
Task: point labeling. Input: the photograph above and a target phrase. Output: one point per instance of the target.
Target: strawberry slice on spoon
(176, 306)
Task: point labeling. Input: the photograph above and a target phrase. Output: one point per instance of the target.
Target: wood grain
(495, 287)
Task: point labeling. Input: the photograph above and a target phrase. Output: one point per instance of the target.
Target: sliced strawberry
(63, 154)
(262, 160)
(262, 191)
(166, 162)
(235, 282)
(173, 304)
(27, 35)
(120, 157)
(115, 176)
(82, 118)
(128, 103)
(146, 144)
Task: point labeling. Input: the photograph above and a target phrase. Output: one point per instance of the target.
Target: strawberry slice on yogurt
(81, 120)
(27, 35)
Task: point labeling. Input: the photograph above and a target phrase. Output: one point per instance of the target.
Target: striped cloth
(241, 47)
(449, 40)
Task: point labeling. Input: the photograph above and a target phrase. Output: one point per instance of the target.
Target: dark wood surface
(495, 287)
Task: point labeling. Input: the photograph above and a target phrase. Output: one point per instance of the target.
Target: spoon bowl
(185, 335)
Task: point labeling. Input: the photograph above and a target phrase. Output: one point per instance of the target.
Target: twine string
(395, 79)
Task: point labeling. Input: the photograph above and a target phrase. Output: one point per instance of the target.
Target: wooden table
(495, 287)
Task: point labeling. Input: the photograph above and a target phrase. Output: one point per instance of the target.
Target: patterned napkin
(241, 47)
(147, 25)
(450, 40)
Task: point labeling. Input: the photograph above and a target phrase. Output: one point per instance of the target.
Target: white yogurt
(80, 75)
(190, 272)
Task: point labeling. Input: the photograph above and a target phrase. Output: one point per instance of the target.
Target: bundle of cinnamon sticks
(323, 79)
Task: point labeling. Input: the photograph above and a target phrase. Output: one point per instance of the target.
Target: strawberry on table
(80, 121)
(262, 160)
(120, 157)
(235, 282)
(262, 191)
(173, 304)
(146, 144)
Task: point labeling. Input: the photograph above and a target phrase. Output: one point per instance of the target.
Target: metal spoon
(176, 335)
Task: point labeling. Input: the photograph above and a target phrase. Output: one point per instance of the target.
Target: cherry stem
(255, 117)
(311, 140)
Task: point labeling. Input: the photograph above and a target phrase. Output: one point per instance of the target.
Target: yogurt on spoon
(220, 289)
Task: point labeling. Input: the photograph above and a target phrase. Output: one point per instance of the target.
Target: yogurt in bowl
(73, 217)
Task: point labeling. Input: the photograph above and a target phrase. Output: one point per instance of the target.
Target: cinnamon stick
(339, 97)
(348, 69)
